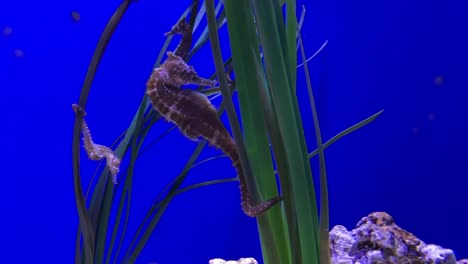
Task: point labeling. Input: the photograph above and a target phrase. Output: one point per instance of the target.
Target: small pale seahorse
(96, 151)
(193, 113)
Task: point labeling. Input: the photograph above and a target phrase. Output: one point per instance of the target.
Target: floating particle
(416, 129)
(438, 81)
(76, 16)
(431, 116)
(19, 53)
(7, 31)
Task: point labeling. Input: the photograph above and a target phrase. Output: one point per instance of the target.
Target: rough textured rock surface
(378, 240)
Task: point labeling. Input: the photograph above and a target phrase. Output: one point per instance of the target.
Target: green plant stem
(347, 131)
(324, 210)
(84, 218)
(227, 99)
(207, 183)
(276, 47)
(133, 255)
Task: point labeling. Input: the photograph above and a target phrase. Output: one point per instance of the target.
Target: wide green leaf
(284, 100)
(242, 34)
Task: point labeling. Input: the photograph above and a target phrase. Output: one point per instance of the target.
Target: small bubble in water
(7, 31)
(76, 16)
(431, 116)
(439, 80)
(19, 53)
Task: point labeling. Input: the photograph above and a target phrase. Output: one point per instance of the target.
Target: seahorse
(96, 151)
(193, 113)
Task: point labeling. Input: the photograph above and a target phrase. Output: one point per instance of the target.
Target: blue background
(412, 162)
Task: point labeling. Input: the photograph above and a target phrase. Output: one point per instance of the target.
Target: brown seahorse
(193, 113)
(96, 151)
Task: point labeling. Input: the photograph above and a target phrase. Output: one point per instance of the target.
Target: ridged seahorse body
(193, 113)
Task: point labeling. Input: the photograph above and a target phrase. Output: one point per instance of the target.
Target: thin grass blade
(291, 39)
(227, 99)
(290, 124)
(123, 197)
(136, 246)
(242, 35)
(348, 131)
(85, 220)
(324, 204)
(206, 183)
(204, 35)
(101, 200)
(288, 215)
(132, 257)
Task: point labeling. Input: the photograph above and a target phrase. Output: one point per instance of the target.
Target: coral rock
(378, 240)
(240, 261)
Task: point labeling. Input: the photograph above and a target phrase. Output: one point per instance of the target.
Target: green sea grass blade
(315, 54)
(85, 221)
(194, 14)
(280, 155)
(128, 190)
(288, 214)
(242, 35)
(204, 91)
(204, 36)
(227, 100)
(174, 190)
(134, 251)
(142, 152)
(347, 131)
(88, 192)
(291, 40)
(289, 46)
(124, 196)
(208, 159)
(152, 143)
(281, 28)
(324, 204)
(200, 15)
(215, 90)
(98, 194)
(125, 224)
(164, 204)
(101, 202)
(146, 219)
(127, 184)
(206, 183)
(290, 128)
(125, 142)
(172, 187)
(106, 197)
(301, 22)
(96, 199)
(279, 152)
(156, 205)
